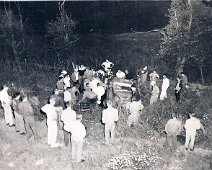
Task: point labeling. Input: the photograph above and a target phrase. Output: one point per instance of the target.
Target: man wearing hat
(191, 126)
(109, 117)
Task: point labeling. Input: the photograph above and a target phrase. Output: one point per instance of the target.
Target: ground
(19, 153)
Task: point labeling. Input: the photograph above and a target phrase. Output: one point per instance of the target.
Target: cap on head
(64, 72)
(145, 68)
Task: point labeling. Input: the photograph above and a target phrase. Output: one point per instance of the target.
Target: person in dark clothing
(26, 110)
(178, 90)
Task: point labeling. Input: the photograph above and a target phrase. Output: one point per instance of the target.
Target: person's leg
(66, 138)
(28, 130)
(107, 134)
(17, 121)
(8, 115)
(112, 131)
(188, 137)
(21, 125)
(33, 126)
(54, 134)
(73, 149)
(191, 146)
(79, 151)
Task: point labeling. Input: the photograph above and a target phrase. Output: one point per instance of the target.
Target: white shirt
(173, 126)
(109, 115)
(192, 124)
(68, 116)
(50, 111)
(67, 81)
(5, 98)
(135, 106)
(165, 84)
(67, 96)
(93, 83)
(100, 90)
(77, 130)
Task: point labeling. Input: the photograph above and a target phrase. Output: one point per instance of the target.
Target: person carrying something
(26, 110)
(134, 108)
(107, 65)
(172, 129)
(155, 93)
(109, 117)
(191, 126)
(165, 86)
(78, 133)
(19, 120)
(67, 117)
(51, 114)
(6, 101)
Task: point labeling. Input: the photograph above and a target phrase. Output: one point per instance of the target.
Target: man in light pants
(51, 114)
(191, 126)
(78, 133)
(6, 101)
(109, 117)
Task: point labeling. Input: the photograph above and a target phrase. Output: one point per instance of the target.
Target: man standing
(78, 133)
(153, 77)
(165, 86)
(134, 108)
(191, 126)
(155, 93)
(68, 116)
(19, 120)
(109, 117)
(26, 110)
(172, 129)
(178, 89)
(51, 114)
(6, 101)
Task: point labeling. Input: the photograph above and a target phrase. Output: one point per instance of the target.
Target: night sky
(97, 16)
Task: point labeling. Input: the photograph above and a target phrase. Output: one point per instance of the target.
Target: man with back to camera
(109, 117)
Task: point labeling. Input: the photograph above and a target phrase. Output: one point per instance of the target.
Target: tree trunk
(202, 76)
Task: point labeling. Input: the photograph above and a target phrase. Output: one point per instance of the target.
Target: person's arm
(103, 117)
(203, 129)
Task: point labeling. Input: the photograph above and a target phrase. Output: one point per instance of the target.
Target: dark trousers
(67, 138)
(177, 95)
(171, 142)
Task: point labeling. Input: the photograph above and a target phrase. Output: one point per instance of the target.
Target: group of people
(87, 85)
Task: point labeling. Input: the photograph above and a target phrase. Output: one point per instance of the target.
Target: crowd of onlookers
(86, 85)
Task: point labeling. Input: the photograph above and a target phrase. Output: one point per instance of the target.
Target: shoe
(17, 130)
(186, 148)
(11, 125)
(191, 149)
(23, 133)
(7, 123)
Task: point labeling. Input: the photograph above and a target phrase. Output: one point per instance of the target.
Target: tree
(61, 33)
(184, 36)
(12, 33)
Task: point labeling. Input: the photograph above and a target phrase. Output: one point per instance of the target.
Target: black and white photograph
(106, 85)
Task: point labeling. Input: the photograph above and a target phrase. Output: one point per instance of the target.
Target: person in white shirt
(51, 114)
(93, 83)
(6, 101)
(78, 133)
(109, 117)
(155, 93)
(154, 76)
(67, 95)
(67, 117)
(191, 126)
(66, 82)
(120, 74)
(165, 86)
(134, 108)
(173, 128)
(100, 91)
(107, 65)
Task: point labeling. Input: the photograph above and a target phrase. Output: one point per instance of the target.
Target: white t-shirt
(67, 96)
(165, 84)
(109, 115)
(192, 124)
(77, 130)
(68, 116)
